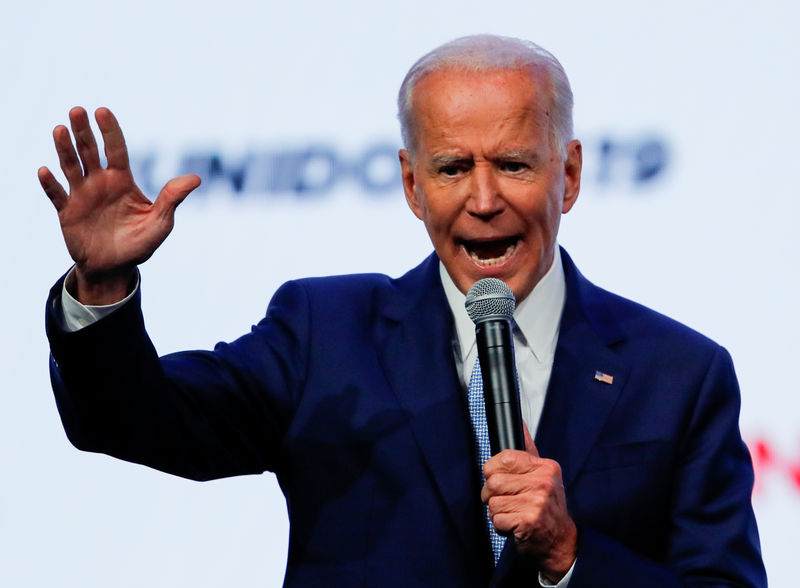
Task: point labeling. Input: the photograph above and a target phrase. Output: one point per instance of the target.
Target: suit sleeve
(712, 539)
(198, 414)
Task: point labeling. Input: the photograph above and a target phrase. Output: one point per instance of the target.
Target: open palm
(109, 225)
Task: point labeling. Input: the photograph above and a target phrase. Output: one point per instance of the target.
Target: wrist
(561, 557)
(101, 289)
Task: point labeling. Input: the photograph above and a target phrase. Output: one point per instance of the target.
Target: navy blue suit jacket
(347, 390)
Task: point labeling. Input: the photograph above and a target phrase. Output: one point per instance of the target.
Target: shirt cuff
(77, 316)
(545, 583)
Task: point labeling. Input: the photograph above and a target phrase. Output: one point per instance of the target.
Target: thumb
(173, 193)
(530, 446)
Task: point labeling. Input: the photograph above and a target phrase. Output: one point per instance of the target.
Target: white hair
(485, 53)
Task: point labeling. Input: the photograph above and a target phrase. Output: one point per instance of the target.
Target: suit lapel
(587, 376)
(414, 342)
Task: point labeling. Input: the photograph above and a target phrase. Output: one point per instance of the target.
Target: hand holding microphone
(524, 492)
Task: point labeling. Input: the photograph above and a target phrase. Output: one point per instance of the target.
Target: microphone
(490, 304)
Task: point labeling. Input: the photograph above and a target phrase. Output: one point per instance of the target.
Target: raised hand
(526, 499)
(109, 225)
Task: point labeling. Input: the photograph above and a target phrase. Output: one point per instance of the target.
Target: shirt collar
(537, 317)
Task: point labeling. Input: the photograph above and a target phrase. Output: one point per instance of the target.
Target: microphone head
(490, 298)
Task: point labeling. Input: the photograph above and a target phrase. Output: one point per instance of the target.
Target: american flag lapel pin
(603, 377)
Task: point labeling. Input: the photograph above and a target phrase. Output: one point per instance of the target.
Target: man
(352, 389)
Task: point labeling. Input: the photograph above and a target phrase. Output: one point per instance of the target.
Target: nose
(485, 199)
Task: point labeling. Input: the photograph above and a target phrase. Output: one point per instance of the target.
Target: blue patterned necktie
(477, 412)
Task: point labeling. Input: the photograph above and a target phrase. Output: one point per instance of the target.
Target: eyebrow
(521, 154)
(517, 154)
(443, 160)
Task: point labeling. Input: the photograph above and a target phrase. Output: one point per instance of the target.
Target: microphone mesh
(490, 297)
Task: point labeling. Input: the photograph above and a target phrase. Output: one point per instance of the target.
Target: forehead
(449, 103)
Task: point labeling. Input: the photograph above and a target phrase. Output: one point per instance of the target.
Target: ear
(409, 182)
(572, 175)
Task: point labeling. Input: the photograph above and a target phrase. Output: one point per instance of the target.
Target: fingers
(525, 516)
(541, 526)
(525, 502)
(512, 472)
(87, 147)
(512, 484)
(84, 139)
(116, 152)
(512, 462)
(545, 477)
(67, 157)
(530, 446)
(52, 188)
(518, 462)
(509, 511)
(174, 192)
(526, 499)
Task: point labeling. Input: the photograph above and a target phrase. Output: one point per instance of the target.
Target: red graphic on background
(769, 461)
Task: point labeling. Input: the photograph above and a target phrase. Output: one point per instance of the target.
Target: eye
(512, 166)
(450, 170)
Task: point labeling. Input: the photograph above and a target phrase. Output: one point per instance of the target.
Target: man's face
(486, 178)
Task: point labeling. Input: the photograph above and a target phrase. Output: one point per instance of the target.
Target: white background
(711, 241)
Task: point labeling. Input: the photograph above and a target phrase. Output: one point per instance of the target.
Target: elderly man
(352, 389)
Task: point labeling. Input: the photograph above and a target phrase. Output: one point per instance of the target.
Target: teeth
(493, 260)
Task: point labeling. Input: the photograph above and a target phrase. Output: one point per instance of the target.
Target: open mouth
(488, 253)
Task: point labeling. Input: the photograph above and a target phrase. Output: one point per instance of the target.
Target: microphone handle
(500, 388)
